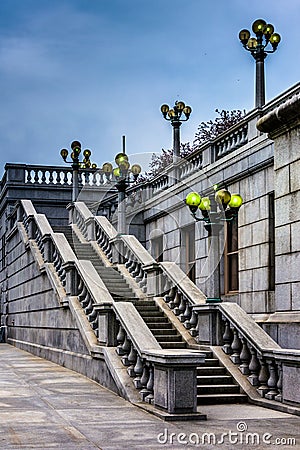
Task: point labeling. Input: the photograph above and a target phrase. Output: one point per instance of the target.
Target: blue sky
(94, 70)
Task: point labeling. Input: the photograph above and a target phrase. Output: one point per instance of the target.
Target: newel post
(153, 272)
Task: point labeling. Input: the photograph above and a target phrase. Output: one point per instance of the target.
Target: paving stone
(45, 406)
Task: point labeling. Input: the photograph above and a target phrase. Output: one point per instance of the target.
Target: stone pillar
(209, 325)
(175, 381)
(107, 325)
(283, 126)
(153, 279)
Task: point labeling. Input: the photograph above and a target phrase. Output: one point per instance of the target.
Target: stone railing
(164, 378)
(273, 371)
(158, 375)
(181, 295)
(258, 357)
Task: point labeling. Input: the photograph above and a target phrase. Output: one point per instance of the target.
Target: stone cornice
(282, 119)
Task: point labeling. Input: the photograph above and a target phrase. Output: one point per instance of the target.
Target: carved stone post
(153, 279)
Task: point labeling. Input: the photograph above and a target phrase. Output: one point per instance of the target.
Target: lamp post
(174, 115)
(76, 164)
(216, 209)
(123, 175)
(265, 35)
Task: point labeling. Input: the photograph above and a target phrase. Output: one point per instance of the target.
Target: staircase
(214, 384)
(113, 280)
(161, 328)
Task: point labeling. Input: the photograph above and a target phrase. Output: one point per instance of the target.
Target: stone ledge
(283, 118)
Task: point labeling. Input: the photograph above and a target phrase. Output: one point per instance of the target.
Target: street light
(77, 164)
(216, 209)
(265, 35)
(174, 115)
(123, 175)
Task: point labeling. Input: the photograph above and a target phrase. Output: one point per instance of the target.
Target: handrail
(138, 348)
(247, 327)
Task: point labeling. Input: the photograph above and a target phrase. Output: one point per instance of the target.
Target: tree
(206, 132)
(213, 128)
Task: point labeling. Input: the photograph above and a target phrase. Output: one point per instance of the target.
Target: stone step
(173, 345)
(210, 371)
(215, 399)
(211, 362)
(218, 389)
(163, 331)
(160, 326)
(143, 303)
(169, 338)
(154, 320)
(153, 314)
(143, 308)
(216, 379)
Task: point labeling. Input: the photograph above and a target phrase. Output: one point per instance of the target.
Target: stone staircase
(113, 280)
(214, 384)
(159, 325)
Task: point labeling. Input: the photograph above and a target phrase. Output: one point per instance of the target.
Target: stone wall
(283, 126)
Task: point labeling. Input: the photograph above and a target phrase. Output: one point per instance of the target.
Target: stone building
(138, 312)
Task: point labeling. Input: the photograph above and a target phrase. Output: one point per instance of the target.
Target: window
(271, 242)
(157, 245)
(231, 257)
(188, 247)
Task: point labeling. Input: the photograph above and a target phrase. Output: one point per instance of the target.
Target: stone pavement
(45, 406)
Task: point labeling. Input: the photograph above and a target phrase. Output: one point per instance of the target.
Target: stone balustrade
(117, 323)
(270, 369)
(161, 376)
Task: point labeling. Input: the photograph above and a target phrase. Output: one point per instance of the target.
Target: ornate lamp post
(265, 35)
(76, 164)
(123, 176)
(215, 209)
(174, 115)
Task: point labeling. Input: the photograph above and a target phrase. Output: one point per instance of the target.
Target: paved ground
(45, 406)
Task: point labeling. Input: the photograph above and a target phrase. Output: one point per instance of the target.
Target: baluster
(132, 359)
(245, 358)
(136, 270)
(65, 181)
(36, 176)
(186, 316)
(126, 347)
(144, 381)
(171, 295)
(272, 380)
(176, 302)
(138, 370)
(120, 340)
(193, 324)
(263, 377)
(181, 307)
(58, 177)
(93, 315)
(254, 367)
(236, 348)
(227, 338)
(150, 384)
(278, 397)
(43, 179)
